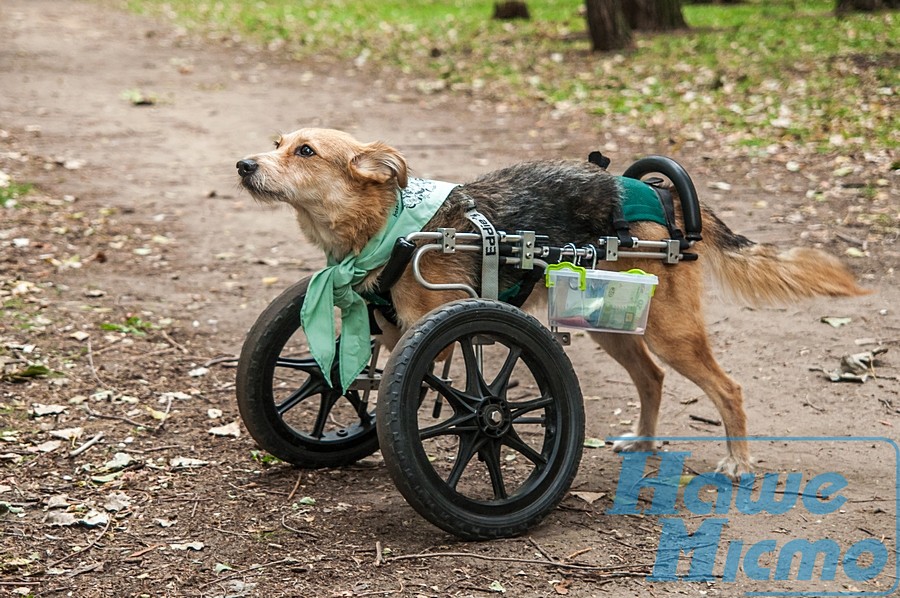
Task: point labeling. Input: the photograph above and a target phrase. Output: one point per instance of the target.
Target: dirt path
(159, 232)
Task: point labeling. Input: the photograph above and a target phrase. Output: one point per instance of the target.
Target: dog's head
(341, 189)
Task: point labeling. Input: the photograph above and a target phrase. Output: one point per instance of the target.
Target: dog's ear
(379, 163)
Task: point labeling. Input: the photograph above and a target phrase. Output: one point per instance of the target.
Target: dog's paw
(629, 444)
(735, 467)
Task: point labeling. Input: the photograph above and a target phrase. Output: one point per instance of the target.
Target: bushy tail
(762, 274)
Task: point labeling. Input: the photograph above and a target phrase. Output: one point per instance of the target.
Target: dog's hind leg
(631, 353)
(677, 335)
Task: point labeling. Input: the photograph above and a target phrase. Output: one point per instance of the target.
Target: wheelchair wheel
(285, 400)
(480, 419)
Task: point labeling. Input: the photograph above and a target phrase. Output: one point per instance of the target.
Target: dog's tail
(761, 274)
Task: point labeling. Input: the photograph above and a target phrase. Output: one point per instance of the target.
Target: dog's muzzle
(246, 167)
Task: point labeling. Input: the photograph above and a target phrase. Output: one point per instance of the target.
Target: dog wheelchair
(479, 413)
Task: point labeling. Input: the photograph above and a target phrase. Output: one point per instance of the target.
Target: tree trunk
(607, 25)
(654, 15)
(844, 6)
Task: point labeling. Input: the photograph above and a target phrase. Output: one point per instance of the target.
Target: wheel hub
(494, 417)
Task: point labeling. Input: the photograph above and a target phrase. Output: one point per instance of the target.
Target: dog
(342, 191)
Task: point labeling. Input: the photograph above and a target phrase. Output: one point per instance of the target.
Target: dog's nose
(246, 167)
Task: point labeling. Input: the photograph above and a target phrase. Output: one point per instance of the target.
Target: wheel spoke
(311, 387)
(454, 425)
(517, 410)
(458, 401)
(326, 404)
(501, 382)
(361, 407)
(490, 454)
(307, 364)
(475, 384)
(469, 444)
(515, 442)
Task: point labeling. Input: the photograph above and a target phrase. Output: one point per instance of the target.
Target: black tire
(276, 390)
(538, 422)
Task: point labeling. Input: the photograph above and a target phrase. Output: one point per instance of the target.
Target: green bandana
(333, 286)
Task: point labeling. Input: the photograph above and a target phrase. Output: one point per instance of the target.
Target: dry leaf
(589, 497)
(232, 429)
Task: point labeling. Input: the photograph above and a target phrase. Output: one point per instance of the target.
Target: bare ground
(135, 214)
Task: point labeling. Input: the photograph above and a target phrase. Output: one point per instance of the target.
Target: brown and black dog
(342, 191)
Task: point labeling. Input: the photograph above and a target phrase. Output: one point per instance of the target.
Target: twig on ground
(94, 374)
(165, 416)
(88, 444)
(578, 553)
(247, 570)
(295, 530)
(136, 556)
(120, 418)
(541, 550)
(154, 449)
(83, 550)
(598, 568)
(296, 486)
(379, 554)
(173, 342)
(217, 360)
(705, 420)
(808, 403)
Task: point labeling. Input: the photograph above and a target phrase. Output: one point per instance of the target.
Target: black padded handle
(690, 204)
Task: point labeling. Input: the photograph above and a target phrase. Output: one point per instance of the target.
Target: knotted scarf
(333, 285)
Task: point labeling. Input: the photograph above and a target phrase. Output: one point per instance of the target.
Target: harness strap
(668, 205)
(490, 256)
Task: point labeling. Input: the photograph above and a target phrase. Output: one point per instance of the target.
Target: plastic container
(599, 299)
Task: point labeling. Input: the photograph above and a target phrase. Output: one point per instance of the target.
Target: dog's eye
(305, 151)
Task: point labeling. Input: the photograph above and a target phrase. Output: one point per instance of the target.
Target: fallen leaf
(307, 500)
(117, 501)
(67, 433)
(58, 501)
(197, 372)
(95, 518)
(214, 413)
(80, 336)
(186, 462)
(60, 519)
(164, 522)
(188, 546)
(232, 429)
(589, 497)
(836, 321)
(594, 443)
(103, 479)
(119, 461)
(157, 415)
(496, 586)
(181, 396)
(46, 447)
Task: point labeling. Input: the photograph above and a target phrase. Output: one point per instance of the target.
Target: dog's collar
(333, 286)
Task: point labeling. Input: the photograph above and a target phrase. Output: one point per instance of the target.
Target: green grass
(763, 71)
(12, 192)
(132, 325)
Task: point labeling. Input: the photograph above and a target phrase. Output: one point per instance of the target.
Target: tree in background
(654, 15)
(844, 6)
(610, 22)
(607, 25)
